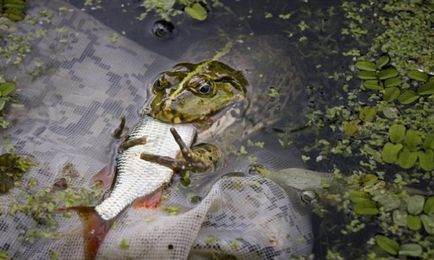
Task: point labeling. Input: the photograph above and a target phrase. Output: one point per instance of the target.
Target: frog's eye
(205, 89)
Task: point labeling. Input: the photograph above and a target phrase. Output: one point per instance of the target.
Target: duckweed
(13, 9)
(196, 11)
(7, 89)
(12, 169)
(410, 249)
(124, 244)
(384, 128)
(169, 8)
(406, 148)
(387, 244)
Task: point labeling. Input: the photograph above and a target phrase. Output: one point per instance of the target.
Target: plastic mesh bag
(69, 112)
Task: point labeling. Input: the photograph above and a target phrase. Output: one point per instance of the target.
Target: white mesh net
(68, 115)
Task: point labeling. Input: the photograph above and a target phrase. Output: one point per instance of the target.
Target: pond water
(89, 65)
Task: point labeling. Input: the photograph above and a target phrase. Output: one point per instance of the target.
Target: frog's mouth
(166, 112)
(224, 119)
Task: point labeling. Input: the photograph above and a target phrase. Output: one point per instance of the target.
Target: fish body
(136, 177)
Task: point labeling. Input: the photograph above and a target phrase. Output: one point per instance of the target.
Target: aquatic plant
(12, 169)
(42, 205)
(170, 8)
(7, 89)
(378, 124)
(13, 9)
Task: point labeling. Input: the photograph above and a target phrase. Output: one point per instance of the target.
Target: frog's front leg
(198, 158)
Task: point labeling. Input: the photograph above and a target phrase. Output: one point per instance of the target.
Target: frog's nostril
(163, 29)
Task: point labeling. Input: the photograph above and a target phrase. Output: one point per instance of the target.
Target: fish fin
(150, 201)
(95, 229)
(105, 176)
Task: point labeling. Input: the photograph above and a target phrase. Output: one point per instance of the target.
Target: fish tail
(95, 228)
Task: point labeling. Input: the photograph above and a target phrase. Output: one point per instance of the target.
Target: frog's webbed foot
(199, 158)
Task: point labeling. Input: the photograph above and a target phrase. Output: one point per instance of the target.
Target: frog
(193, 93)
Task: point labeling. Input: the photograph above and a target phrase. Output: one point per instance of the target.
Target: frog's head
(193, 93)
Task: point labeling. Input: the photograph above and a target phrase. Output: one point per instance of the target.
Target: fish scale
(137, 177)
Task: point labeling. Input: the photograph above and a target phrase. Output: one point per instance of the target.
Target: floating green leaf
(366, 75)
(414, 223)
(350, 127)
(407, 158)
(366, 211)
(361, 201)
(387, 244)
(368, 113)
(427, 89)
(2, 103)
(364, 203)
(429, 206)
(429, 142)
(373, 84)
(12, 169)
(365, 65)
(124, 244)
(390, 152)
(409, 96)
(412, 139)
(415, 204)
(13, 9)
(396, 133)
(391, 93)
(387, 73)
(428, 223)
(355, 195)
(6, 88)
(390, 112)
(410, 249)
(417, 75)
(383, 60)
(400, 218)
(368, 179)
(392, 82)
(426, 159)
(196, 11)
(389, 201)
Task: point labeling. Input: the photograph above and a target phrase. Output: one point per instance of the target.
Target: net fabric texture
(68, 115)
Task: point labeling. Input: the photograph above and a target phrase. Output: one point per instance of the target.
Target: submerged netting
(69, 113)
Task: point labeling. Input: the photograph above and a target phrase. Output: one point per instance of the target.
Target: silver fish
(137, 177)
